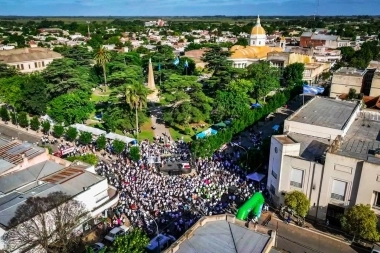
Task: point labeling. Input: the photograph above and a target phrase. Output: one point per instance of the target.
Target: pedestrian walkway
(158, 123)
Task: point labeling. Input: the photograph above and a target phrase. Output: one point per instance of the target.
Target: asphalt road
(9, 132)
(294, 239)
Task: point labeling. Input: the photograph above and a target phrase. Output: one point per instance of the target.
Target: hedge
(207, 146)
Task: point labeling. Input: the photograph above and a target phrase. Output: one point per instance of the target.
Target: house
(329, 151)
(16, 156)
(28, 60)
(49, 174)
(345, 79)
(310, 39)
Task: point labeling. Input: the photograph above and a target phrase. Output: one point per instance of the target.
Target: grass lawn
(146, 131)
(176, 135)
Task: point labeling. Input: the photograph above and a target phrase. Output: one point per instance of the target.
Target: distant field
(111, 18)
(216, 19)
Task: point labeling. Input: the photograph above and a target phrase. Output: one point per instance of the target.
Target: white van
(115, 232)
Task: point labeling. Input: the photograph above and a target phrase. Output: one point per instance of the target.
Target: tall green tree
(34, 96)
(6, 70)
(361, 221)
(136, 97)
(217, 62)
(85, 137)
(101, 142)
(64, 76)
(58, 130)
(293, 73)
(71, 133)
(134, 242)
(118, 146)
(45, 126)
(134, 153)
(22, 119)
(11, 90)
(4, 114)
(229, 105)
(264, 78)
(35, 123)
(298, 201)
(102, 57)
(71, 108)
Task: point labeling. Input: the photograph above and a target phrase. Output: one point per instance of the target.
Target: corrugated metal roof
(306, 34)
(324, 37)
(224, 237)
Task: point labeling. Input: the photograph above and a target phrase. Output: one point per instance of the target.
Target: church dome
(258, 29)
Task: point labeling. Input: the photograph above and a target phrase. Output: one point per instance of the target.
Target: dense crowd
(148, 196)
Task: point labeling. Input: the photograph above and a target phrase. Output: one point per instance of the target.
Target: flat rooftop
(72, 186)
(224, 237)
(325, 112)
(350, 71)
(312, 148)
(13, 153)
(361, 140)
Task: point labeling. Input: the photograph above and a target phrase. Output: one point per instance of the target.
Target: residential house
(310, 39)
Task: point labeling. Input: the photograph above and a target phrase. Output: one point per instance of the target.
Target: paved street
(156, 118)
(8, 131)
(294, 239)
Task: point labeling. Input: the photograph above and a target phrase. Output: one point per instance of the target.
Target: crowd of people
(151, 198)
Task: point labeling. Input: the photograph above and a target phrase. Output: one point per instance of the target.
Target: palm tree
(136, 97)
(102, 56)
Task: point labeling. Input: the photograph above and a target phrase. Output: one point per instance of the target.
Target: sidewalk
(320, 229)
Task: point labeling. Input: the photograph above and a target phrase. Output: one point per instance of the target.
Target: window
(272, 189)
(101, 196)
(29, 66)
(18, 66)
(43, 64)
(39, 64)
(338, 191)
(296, 178)
(22, 66)
(376, 202)
(274, 174)
(35, 64)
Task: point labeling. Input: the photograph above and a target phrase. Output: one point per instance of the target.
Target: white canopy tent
(113, 136)
(92, 130)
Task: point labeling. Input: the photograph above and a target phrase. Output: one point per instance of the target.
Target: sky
(187, 7)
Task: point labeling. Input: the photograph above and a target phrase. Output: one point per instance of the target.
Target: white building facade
(329, 152)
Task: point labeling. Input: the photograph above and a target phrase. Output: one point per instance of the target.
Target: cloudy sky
(187, 7)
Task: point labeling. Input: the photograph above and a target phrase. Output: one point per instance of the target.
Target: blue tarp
(205, 133)
(256, 105)
(312, 90)
(276, 127)
(256, 176)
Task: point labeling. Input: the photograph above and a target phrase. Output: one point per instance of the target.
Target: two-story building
(329, 151)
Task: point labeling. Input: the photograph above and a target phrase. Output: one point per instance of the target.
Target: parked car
(160, 243)
(97, 247)
(115, 232)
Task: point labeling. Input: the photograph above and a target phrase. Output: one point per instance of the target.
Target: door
(333, 214)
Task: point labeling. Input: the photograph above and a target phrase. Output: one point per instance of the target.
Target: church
(257, 50)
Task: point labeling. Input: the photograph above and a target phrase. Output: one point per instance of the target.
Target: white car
(97, 247)
(115, 232)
